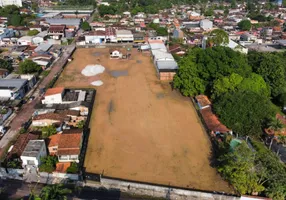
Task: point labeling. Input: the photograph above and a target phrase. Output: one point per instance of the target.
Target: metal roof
(12, 83)
(170, 65)
(43, 47)
(65, 21)
(33, 148)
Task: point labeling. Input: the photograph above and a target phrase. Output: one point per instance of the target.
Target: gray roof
(33, 148)
(12, 83)
(167, 65)
(62, 106)
(43, 47)
(63, 21)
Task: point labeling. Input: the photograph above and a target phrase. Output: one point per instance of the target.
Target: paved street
(28, 109)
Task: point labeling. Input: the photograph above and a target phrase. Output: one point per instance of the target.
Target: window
(63, 157)
(30, 162)
(55, 149)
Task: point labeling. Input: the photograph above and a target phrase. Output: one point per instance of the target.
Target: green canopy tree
(28, 67)
(243, 111)
(55, 192)
(238, 167)
(4, 64)
(218, 37)
(33, 32)
(85, 26)
(244, 25)
(47, 131)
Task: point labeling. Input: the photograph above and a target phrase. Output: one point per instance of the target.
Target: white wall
(52, 99)
(5, 93)
(11, 2)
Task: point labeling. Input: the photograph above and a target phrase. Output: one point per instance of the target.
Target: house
(56, 118)
(32, 154)
(124, 36)
(43, 60)
(177, 33)
(67, 145)
(21, 143)
(6, 33)
(13, 88)
(138, 38)
(203, 101)
(25, 40)
(40, 37)
(60, 95)
(42, 48)
(117, 53)
(110, 35)
(95, 37)
(57, 31)
(206, 24)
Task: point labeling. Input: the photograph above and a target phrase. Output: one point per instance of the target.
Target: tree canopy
(4, 64)
(244, 111)
(33, 32)
(85, 26)
(28, 67)
(55, 192)
(244, 25)
(47, 131)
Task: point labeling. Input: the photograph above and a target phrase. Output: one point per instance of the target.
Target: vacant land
(140, 129)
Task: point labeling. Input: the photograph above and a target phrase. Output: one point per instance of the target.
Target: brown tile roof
(21, 143)
(54, 140)
(57, 116)
(53, 91)
(62, 167)
(72, 131)
(68, 152)
(203, 100)
(57, 28)
(212, 121)
(70, 141)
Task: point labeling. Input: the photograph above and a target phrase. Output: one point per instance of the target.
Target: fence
(167, 192)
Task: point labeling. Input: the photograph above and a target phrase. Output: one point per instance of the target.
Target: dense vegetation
(243, 88)
(48, 164)
(29, 67)
(253, 171)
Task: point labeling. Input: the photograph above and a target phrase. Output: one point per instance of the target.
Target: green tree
(33, 32)
(275, 124)
(238, 167)
(47, 131)
(73, 168)
(85, 26)
(218, 37)
(80, 124)
(55, 192)
(243, 111)
(4, 64)
(244, 25)
(272, 68)
(28, 67)
(48, 164)
(161, 31)
(15, 20)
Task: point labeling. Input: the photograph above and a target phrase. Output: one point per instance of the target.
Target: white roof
(154, 46)
(25, 38)
(161, 54)
(123, 32)
(167, 65)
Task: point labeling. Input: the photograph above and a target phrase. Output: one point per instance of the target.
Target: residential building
(57, 118)
(25, 40)
(95, 37)
(13, 88)
(124, 36)
(6, 32)
(206, 24)
(139, 38)
(11, 2)
(57, 31)
(60, 95)
(67, 145)
(110, 35)
(32, 154)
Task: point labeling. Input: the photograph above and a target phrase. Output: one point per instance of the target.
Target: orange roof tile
(62, 167)
(54, 140)
(53, 91)
(203, 100)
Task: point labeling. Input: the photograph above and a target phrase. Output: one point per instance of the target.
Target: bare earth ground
(140, 129)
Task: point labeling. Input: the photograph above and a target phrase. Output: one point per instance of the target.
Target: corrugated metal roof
(65, 21)
(43, 47)
(170, 64)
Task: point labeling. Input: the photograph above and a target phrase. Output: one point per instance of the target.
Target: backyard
(140, 129)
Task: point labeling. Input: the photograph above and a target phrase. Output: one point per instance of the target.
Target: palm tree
(54, 192)
(274, 125)
(282, 139)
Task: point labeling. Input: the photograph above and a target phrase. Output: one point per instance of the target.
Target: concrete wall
(160, 191)
(12, 173)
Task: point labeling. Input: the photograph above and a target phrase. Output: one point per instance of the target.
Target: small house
(117, 53)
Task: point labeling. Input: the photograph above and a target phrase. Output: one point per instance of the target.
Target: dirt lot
(140, 129)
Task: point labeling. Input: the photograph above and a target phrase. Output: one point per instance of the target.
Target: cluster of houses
(63, 109)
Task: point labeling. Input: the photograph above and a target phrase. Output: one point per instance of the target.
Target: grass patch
(45, 73)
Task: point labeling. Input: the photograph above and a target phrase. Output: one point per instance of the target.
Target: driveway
(28, 109)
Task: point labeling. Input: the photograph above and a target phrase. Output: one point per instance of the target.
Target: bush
(48, 164)
(73, 169)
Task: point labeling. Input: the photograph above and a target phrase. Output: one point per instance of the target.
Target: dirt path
(141, 129)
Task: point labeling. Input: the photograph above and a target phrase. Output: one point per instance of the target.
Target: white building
(95, 37)
(13, 88)
(25, 40)
(31, 156)
(6, 33)
(11, 2)
(206, 24)
(59, 95)
(124, 36)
